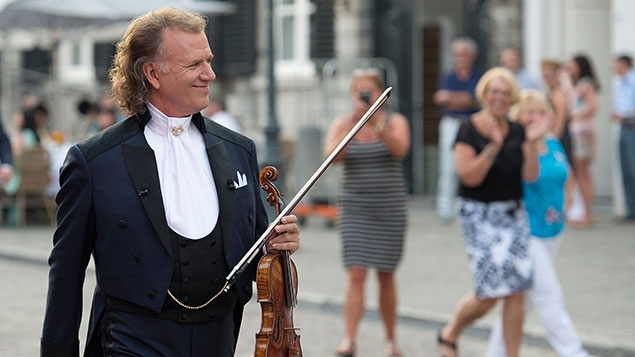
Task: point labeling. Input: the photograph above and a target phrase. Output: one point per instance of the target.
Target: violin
(277, 286)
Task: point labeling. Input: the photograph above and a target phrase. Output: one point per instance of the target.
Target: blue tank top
(544, 198)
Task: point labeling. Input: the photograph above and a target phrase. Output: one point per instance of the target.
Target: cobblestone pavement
(596, 268)
(23, 299)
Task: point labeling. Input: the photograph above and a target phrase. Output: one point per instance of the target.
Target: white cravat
(187, 184)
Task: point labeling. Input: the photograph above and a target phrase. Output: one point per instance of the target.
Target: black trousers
(128, 334)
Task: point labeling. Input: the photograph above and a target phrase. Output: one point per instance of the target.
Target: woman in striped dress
(372, 205)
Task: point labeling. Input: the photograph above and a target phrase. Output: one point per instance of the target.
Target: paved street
(321, 325)
(597, 269)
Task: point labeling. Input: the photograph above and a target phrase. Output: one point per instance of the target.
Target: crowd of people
(571, 88)
(512, 153)
(31, 128)
(515, 160)
(522, 158)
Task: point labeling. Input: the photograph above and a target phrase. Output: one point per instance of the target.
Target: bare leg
(585, 183)
(388, 302)
(468, 310)
(513, 317)
(353, 306)
(388, 309)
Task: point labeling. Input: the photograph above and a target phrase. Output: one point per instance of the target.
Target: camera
(365, 97)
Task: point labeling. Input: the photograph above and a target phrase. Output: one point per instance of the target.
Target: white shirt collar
(163, 125)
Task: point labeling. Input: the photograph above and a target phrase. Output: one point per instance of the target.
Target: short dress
(583, 132)
(494, 221)
(373, 207)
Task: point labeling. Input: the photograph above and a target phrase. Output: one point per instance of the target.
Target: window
(76, 54)
(293, 35)
(232, 39)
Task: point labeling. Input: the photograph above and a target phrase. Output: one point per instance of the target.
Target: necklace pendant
(177, 130)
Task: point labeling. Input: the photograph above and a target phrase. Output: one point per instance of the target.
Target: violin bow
(268, 233)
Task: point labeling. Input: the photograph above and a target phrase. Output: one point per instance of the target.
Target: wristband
(489, 152)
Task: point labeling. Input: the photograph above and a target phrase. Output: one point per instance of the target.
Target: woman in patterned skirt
(372, 203)
(493, 157)
(544, 202)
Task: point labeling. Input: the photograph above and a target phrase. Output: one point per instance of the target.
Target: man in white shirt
(217, 111)
(510, 59)
(153, 200)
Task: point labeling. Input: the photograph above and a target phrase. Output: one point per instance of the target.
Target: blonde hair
(525, 98)
(367, 73)
(497, 72)
(550, 64)
(143, 43)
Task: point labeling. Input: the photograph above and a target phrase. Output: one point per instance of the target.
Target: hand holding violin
(287, 236)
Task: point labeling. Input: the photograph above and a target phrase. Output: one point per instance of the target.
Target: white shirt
(225, 119)
(189, 193)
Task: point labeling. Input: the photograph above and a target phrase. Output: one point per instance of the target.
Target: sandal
(441, 342)
(391, 349)
(346, 349)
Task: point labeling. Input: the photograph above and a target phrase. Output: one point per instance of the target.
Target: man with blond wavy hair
(154, 200)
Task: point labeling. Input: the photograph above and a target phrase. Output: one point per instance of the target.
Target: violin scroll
(267, 175)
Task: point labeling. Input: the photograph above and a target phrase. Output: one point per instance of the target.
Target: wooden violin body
(277, 285)
(277, 336)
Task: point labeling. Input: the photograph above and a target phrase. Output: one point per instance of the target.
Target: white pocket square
(242, 180)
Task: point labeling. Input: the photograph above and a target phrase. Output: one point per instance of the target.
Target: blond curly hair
(143, 43)
(497, 72)
(527, 97)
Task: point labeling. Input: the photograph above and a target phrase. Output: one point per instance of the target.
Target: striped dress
(373, 207)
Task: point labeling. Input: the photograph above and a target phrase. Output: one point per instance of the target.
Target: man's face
(510, 59)
(620, 67)
(463, 56)
(180, 80)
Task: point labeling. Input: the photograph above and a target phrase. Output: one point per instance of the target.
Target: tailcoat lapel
(142, 167)
(222, 172)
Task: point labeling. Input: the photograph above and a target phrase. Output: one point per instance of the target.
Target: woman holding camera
(372, 203)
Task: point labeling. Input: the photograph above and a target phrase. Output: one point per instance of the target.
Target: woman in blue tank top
(544, 202)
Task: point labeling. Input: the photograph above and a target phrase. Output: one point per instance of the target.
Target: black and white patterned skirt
(496, 239)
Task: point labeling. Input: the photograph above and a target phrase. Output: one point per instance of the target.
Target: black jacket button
(136, 258)
(184, 317)
(123, 223)
(183, 243)
(151, 294)
(186, 280)
(250, 219)
(186, 298)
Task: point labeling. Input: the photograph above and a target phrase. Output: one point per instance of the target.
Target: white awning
(78, 13)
